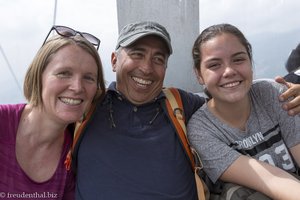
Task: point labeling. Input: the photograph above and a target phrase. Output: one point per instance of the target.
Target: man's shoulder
(198, 95)
(191, 102)
(293, 77)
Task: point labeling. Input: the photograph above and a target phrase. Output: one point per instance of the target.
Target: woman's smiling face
(69, 84)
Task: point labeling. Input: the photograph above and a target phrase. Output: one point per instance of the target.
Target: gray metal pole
(54, 15)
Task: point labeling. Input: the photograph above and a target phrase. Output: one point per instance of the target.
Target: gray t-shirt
(269, 133)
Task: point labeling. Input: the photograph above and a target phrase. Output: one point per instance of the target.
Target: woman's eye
(63, 74)
(91, 79)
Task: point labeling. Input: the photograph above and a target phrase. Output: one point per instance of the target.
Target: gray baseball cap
(134, 31)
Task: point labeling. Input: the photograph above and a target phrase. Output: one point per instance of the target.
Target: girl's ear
(199, 77)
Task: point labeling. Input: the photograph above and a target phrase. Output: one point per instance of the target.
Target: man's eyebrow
(140, 48)
(161, 54)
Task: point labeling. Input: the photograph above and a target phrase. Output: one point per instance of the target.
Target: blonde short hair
(32, 87)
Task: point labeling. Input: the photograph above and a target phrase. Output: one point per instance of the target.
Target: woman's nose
(76, 84)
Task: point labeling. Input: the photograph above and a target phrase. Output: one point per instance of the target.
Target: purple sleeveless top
(14, 183)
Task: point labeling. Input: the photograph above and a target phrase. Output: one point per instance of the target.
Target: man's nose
(146, 65)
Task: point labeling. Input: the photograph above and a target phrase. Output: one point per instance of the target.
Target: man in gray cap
(293, 66)
(129, 149)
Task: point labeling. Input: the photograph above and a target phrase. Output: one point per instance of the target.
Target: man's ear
(113, 61)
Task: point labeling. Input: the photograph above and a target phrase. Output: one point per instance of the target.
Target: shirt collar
(112, 89)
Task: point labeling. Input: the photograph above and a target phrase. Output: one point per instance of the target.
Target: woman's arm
(263, 177)
(293, 106)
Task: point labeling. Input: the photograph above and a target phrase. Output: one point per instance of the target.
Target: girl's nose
(229, 71)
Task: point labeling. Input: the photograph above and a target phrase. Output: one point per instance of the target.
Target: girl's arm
(295, 151)
(263, 177)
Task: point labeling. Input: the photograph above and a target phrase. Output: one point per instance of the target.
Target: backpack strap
(176, 113)
(175, 110)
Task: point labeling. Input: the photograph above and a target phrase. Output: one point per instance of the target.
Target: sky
(271, 26)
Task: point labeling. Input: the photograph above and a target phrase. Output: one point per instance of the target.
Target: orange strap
(176, 113)
(79, 126)
(175, 110)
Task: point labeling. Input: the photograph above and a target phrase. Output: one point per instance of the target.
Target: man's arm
(293, 106)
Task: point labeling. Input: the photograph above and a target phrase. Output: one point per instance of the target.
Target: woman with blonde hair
(65, 77)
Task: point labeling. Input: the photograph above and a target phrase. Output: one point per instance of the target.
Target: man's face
(140, 69)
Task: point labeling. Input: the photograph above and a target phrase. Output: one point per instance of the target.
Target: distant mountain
(270, 52)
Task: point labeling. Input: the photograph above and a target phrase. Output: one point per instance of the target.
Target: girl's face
(225, 68)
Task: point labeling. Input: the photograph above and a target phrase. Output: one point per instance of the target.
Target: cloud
(253, 17)
(25, 24)
(272, 27)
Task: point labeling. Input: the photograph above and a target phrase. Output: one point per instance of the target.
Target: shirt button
(135, 109)
(120, 98)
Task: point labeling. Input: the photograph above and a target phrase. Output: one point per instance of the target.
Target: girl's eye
(213, 65)
(239, 60)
